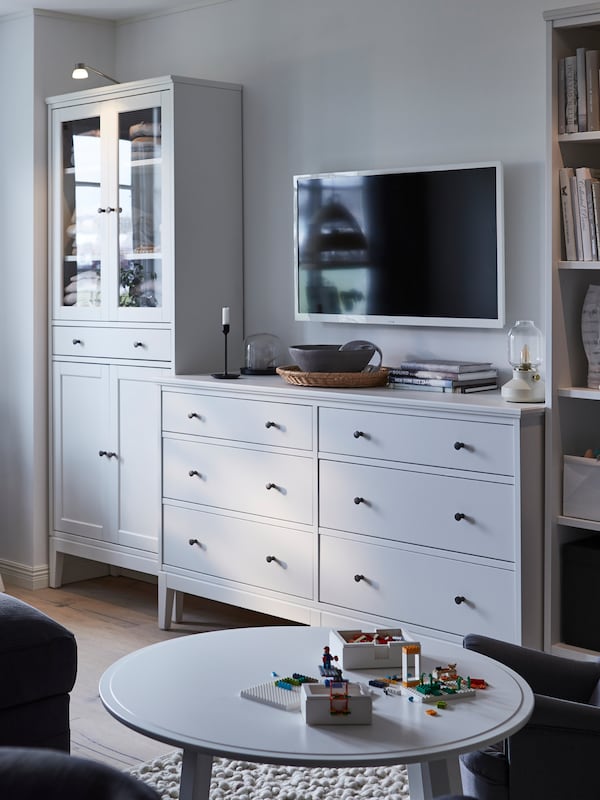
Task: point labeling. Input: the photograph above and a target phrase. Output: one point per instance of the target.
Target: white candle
(225, 315)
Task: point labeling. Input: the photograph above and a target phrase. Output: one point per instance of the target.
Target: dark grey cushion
(31, 774)
(38, 657)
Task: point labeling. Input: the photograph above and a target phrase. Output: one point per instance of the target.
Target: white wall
(358, 84)
(37, 52)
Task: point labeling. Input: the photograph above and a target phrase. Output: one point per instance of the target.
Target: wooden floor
(110, 617)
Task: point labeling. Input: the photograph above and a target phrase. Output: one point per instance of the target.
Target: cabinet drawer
(255, 482)
(148, 344)
(240, 550)
(418, 507)
(439, 441)
(418, 589)
(258, 422)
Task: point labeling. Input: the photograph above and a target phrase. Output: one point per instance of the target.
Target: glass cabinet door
(140, 204)
(83, 213)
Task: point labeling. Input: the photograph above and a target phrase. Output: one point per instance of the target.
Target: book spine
(562, 96)
(592, 65)
(581, 90)
(454, 367)
(582, 174)
(564, 177)
(576, 219)
(469, 389)
(591, 218)
(439, 375)
(571, 94)
(419, 387)
(596, 207)
(448, 383)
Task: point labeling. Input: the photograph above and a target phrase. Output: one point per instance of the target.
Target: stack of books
(433, 375)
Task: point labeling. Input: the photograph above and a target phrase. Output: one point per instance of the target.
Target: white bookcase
(573, 423)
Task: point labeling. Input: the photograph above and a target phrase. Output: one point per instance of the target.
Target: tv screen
(420, 246)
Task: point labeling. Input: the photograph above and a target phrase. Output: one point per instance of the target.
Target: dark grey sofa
(38, 665)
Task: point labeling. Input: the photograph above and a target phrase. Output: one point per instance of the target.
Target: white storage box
(581, 488)
(368, 654)
(326, 705)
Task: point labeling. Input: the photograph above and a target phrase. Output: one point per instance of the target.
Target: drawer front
(451, 513)
(239, 550)
(452, 443)
(147, 344)
(254, 482)
(254, 421)
(418, 589)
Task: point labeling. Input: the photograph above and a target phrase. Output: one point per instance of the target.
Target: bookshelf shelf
(573, 265)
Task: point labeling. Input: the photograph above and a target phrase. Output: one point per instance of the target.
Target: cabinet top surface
(132, 87)
(275, 386)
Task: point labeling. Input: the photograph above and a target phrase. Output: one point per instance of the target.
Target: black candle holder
(225, 374)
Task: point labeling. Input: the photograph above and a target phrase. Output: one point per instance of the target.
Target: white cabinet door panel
(451, 513)
(435, 441)
(444, 594)
(250, 481)
(257, 422)
(272, 558)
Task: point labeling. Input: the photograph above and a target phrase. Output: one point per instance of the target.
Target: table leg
(196, 771)
(434, 778)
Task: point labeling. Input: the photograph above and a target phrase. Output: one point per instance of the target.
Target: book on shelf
(571, 125)
(580, 211)
(581, 90)
(455, 389)
(444, 365)
(592, 67)
(442, 374)
(561, 97)
(449, 383)
(564, 178)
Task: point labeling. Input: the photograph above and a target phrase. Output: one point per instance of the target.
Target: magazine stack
(438, 375)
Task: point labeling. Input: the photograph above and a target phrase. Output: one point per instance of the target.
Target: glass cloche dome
(262, 353)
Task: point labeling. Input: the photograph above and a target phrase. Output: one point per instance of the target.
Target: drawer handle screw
(458, 516)
(459, 445)
(194, 415)
(358, 434)
(270, 424)
(359, 578)
(459, 599)
(193, 472)
(192, 542)
(77, 341)
(359, 500)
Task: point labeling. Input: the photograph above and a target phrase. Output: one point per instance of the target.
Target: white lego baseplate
(271, 695)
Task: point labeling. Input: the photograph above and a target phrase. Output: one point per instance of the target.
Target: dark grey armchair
(555, 754)
(43, 774)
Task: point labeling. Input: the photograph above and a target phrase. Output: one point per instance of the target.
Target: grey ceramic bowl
(331, 358)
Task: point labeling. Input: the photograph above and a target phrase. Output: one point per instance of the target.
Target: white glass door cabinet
(108, 263)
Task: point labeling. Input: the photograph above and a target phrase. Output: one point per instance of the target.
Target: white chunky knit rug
(240, 780)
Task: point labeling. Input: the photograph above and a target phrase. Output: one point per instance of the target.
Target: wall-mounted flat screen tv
(416, 246)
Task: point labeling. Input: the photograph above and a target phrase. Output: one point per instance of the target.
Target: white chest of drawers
(345, 507)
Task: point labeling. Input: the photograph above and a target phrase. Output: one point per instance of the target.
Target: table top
(186, 692)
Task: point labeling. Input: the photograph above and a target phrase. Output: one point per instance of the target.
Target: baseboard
(23, 575)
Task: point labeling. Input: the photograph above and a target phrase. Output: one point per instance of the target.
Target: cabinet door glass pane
(140, 251)
(81, 213)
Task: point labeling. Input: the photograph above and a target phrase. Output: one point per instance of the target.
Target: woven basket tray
(339, 380)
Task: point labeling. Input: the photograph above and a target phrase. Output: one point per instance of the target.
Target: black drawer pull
(358, 434)
(194, 415)
(459, 445)
(107, 453)
(359, 500)
(359, 578)
(192, 542)
(458, 516)
(271, 486)
(193, 472)
(270, 424)
(138, 344)
(77, 341)
(269, 559)
(460, 599)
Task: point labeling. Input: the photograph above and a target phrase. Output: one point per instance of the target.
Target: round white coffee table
(186, 692)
